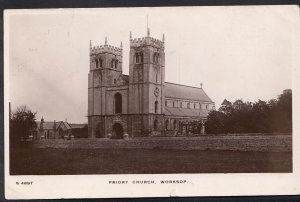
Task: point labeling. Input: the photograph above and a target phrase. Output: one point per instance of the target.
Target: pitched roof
(173, 90)
(48, 125)
(77, 125)
(184, 112)
(66, 124)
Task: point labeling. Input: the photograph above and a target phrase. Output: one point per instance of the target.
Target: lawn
(59, 161)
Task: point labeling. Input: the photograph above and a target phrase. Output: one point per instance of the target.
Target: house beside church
(52, 130)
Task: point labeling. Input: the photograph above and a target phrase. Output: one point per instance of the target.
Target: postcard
(152, 102)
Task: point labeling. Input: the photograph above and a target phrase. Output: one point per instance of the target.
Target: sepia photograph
(131, 92)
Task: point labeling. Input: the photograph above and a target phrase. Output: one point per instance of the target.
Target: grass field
(58, 161)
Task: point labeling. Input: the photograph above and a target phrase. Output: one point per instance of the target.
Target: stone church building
(141, 103)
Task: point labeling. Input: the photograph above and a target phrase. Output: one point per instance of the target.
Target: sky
(236, 52)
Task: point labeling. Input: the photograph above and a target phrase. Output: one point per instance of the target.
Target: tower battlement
(106, 49)
(147, 41)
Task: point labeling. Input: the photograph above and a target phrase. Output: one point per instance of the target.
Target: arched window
(115, 81)
(100, 61)
(174, 125)
(156, 106)
(112, 63)
(206, 107)
(155, 58)
(155, 125)
(141, 58)
(137, 58)
(166, 103)
(167, 124)
(173, 104)
(194, 106)
(116, 64)
(118, 103)
(96, 63)
(155, 78)
(188, 105)
(200, 106)
(180, 104)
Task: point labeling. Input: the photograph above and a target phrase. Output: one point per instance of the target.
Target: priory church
(142, 103)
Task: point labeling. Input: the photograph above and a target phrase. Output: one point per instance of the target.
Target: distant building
(52, 130)
(79, 130)
(141, 104)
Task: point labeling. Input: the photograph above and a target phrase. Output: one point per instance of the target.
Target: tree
(22, 123)
(281, 118)
(226, 107)
(246, 117)
(215, 122)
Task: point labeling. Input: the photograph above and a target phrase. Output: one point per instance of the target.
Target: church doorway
(117, 131)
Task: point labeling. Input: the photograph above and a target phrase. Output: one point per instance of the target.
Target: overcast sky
(236, 52)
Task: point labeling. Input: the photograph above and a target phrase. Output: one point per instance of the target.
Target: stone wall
(274, 143)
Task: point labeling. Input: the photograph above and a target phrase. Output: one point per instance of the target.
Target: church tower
(105, 69)
(146, 84)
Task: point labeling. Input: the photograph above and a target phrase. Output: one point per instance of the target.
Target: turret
(105, 72)
(106, 56)
(147, 72)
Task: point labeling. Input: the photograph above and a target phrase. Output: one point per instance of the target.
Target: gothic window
(116, 64)
(206, 107)
(194, 106)
(96, 63)
(166, 103)
(112, 63)
(200, 106)
(173, 104)
(100, 61)
(137, 58)
(141, 58)
(174, 124)
(167, 124)
(156, 78)
(188, 105)
(115, 81)
(118, 103)
(180, 104)
(155, 58)
(156, 106)
(155, 125)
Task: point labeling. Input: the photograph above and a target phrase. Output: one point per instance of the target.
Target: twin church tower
(119, 104)
(141, 103)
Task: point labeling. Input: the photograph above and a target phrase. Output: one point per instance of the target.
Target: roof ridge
(184, 85)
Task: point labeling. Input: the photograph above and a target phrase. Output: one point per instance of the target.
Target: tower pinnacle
(121, 45)
(106, 40)
(148, 30)
(130, 36)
